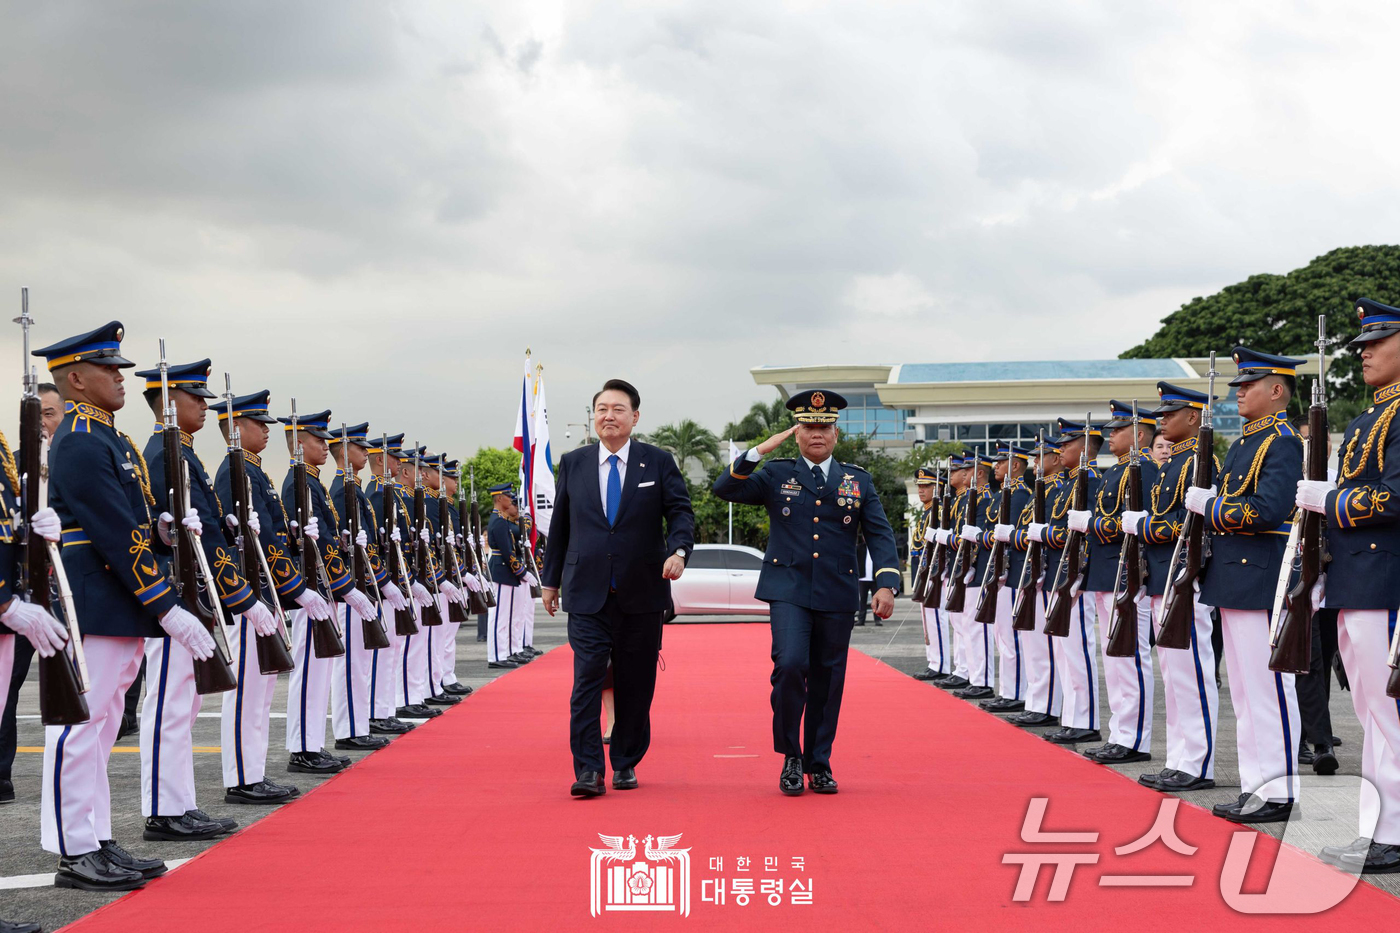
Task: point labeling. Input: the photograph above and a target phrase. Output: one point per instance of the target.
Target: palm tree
(686, 440)
(762, 421)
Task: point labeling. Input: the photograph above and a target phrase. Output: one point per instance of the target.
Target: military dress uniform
(1188, 674)
(452, 538)
(1248, 523)
(1011, 669)
(974, 656)
(1044, 697)
(506, 633)
(439, 638)
(810, 581)
(1363, 538)
(1128, 681)
(937, 638)
(982, 641)
(415, 675)
(956, 678)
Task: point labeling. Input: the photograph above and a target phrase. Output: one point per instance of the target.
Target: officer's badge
(787, 511)
(818, 398)
(846, 520)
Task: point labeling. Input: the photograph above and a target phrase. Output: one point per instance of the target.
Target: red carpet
(466, 823)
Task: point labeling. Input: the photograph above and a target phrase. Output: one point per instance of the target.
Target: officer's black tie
(821, 477)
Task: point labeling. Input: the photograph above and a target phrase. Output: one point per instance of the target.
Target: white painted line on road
(15, 882)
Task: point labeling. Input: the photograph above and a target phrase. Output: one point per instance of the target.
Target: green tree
(1278, 314)
(686, 440)
(492, 465)
(763, 420)
(928, 453)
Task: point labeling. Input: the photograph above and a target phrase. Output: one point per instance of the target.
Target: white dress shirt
(604, 468)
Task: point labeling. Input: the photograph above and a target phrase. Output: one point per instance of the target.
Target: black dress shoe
(95, 872)
(626, 779)
(390, 726)
(589, 784)
(363, 743)
(859, 623)
(1071, 736)
(1115, 754)
(1003, 705)
(1354, 851)
(312, 763)
(927, 673)
(821, 781)
(481, 638)
(11, 926)
(263, 792)
(507, 664)
(1377, 858)
(457, 689)
(443, 699)
(790, 780)
(129, 726)
(226, 824)
(521, 658)
(1220, 809)
(182, 828)
(953, 682)
(338, 759)
(974, 692)
(417, 711)
(1030, 718)
(1252, 809)
(1323, 761)
(1305, 754)
(148, 867)
(1181, 781)
(7, 792)
(1154, 778)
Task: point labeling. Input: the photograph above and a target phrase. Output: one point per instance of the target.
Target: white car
(719, 579)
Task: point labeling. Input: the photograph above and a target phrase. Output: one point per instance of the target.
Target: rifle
(1028, 589)
(275, 650)
(964, 562)
(325, 633)
(527, 524)
(1188, 558)
(394, 563)
(63, 678)
(422, 557)
(371, 630)
(939, 572)
(455, 611)
(1127, 587)
(995, 574)
(918, 592)
(474, 540)
(476, 599)
(191, 565)
(1069, 576)
(1290, 636)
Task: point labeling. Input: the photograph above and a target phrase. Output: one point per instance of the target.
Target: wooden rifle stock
(1069, 576)
(994, 575)
(1028, 589)
(476, 600)
(964, 561)
(1123, 632)
(326, 640)
(422, 559)
(361, 571)
(448, 549)
(1188, 559)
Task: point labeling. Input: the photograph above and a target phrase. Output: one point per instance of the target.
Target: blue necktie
(614, 489)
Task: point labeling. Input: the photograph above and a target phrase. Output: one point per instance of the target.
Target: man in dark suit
(622, 530)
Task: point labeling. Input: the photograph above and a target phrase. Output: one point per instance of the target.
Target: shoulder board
(855, 466)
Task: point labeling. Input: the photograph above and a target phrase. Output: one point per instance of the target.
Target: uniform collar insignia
(92, 412)
(1188, 444)
(1388, 393)
(313, 471)
(253, 458)
(1268, 421)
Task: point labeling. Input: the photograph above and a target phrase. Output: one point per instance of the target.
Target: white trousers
(978, 652)
(309, 690)
(247, 711)
(1363, 640)
(437, 638)
(1010, 669)
(167, 730)
(447, 657)
(384, 667)
(1077, 667)
(1192, 699)
(1266, 708)
(411, 678)
(1038, 651)
(76, 807)
(937, 640)
(506, 629)
(350, 676)
(1129, 681)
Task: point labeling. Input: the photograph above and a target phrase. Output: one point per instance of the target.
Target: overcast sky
(376, 206)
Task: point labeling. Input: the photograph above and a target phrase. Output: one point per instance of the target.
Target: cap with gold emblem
(815, 406)
(1378, 321)
(1254, 365)
(102, 346)
(925, 476)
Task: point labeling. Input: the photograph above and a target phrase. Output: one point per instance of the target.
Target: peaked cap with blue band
(191, 377)
(102, 346)
(1121, 415)
(253, 407)
(316, 424)
(1174, 398)
(1378, 321)
(357, 434)
(1069, 430)
(1254, 365)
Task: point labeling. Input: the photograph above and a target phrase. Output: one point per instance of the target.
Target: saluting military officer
(99, 488)
(1363, 538)
(1128, 680)
(1248, 516)
(936, 635)
(1188, 681)
(1038, 650)
(812, 600)
(959, 476)
(506, 636)
(1010, 470)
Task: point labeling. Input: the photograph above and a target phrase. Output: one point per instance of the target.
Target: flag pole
(731, 505)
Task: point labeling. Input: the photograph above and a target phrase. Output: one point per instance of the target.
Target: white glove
(44, 632)
(193, 522)
(931, 532)
(1312, 494)
(361, 605)
(1197, 498)
(163, 527)
(970, 533)
(531, 579)
(262, 619)
(313, 529)
(1036, 531)
(395, 535)
(425, 536)
(1134, 523)
(46, 525)
(459, 541)
(452, 593)
(1003, 533)
(421, 596)
(472, 583)
(1079, 520)
(362, 539)
(393, 596)
(944, 536)
(254, 524)
(180, 624)
(315, 606)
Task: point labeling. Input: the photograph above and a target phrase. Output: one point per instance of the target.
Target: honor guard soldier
(813, 502)
(959, 475)
(1128, 680)
(452, 538)
(247, 709)
(1010, 471)
(99, 488)
(1039, 650)
(1248, 517)
(446, 633)
(975, 646)
(413, 681)
(308, 693)
(1188, 681)
(350, 681)
(171, 704)
(936, 635)
(1363, 538)
(505, 640)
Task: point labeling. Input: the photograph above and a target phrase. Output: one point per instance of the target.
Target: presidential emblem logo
(657, 881)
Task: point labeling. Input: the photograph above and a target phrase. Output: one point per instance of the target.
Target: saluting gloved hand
(35, 623)
(1036, 531)
(451, 592)
(362, 539)
(1003, 533)
(1312, 494)
(393, 597)
(360, 604)
(180, 624)
(1134, 523)
(421, 596)
(970, 533)
(315, 606)
(261, 618)
(1197, 498)
(1079, 520)
(313, 528)
(46, 525)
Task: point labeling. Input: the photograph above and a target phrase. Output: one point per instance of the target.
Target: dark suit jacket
(587, 556)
